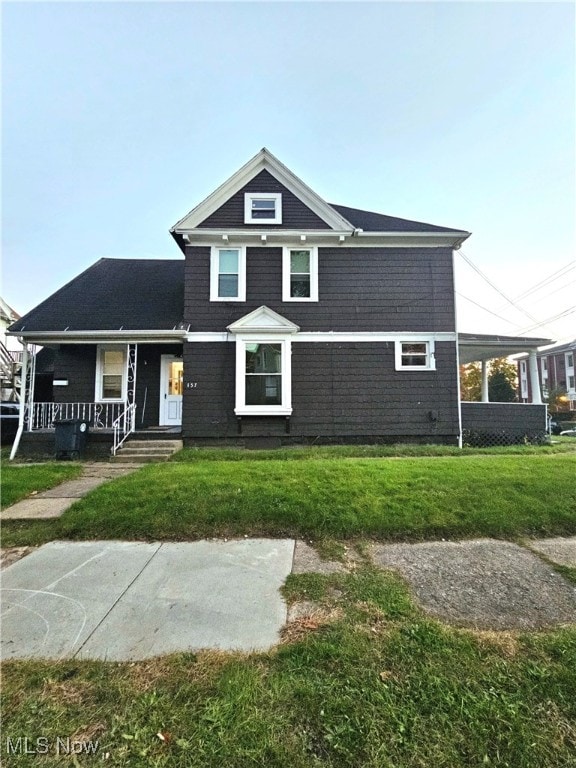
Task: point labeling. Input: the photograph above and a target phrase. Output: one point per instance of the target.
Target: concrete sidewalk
(57, 500)
(131, 600)
(127, 600)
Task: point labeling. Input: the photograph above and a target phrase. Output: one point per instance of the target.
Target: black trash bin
(71, 435)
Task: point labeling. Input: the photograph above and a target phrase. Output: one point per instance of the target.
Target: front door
(171, 383)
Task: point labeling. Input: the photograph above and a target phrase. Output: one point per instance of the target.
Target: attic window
(262, 208)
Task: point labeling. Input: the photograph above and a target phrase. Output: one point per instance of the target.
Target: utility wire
(487, 310)
(476, 269)
(564, 313)
(546, 281)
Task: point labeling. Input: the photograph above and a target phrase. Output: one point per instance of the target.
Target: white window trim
(523, 379)
(570, 371)
(249, 196)
(285, 409)
(214, 272)
(100, 349)
(430, 355)
(313, 250)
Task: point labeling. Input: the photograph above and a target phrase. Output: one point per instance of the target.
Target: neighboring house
(288, 319)
(557, 374)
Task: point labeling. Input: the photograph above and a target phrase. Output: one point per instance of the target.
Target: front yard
(369, 681)
(500, 495)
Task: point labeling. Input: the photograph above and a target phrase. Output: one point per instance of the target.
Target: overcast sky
(118, 118)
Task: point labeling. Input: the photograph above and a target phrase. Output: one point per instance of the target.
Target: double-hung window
(570, 378)
(111, 373)
(262, 208)
(263, 376)
(415, 356)
(300, 274)
(228, 274)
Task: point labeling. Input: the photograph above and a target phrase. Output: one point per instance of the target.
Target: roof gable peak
(262, 160)
(263, 320)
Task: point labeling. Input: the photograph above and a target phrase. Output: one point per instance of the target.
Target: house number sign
(191, 384)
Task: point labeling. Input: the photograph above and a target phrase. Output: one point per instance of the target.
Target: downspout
(23, 377)
(458, 390)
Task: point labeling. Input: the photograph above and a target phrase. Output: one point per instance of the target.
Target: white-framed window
(263, 208)
(111, 372)
(263, 376)
(523, 379)
(300, 274)
(228, 274)
(570, 378)
(415, 356)
(544, 375)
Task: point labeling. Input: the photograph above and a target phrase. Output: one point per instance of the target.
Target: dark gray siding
(295, 215)
(518, 418)
(77, 363)
(360, 289)
(339, 391)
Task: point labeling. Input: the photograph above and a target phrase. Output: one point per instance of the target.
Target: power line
(487, 310)
(564, 313)
(495, 287)
(546, 281)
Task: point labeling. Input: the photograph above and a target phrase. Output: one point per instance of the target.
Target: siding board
(362, 289)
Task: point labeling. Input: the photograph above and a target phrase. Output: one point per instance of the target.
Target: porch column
(534, 378)
(485, 397)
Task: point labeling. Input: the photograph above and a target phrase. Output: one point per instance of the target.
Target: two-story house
(288, 319)
(556, 372)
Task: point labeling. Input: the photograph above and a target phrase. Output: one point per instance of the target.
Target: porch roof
(474, 347)
(117, 295)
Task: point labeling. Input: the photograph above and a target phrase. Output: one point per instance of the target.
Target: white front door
(171, 385)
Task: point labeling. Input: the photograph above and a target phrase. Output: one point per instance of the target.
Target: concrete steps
(146, 451)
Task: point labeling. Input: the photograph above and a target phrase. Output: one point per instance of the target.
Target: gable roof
(263, 160)
(340, 219)
(112, 295)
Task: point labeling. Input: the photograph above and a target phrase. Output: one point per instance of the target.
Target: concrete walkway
(56, 501)
(131, 600)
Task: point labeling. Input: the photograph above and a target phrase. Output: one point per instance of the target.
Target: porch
(119, 390)
(488, 423)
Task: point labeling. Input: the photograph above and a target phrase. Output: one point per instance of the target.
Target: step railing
(123, 426)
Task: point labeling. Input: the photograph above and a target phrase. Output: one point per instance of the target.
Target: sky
(118, 118)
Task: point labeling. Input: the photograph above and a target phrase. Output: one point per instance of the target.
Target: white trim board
(335, 336)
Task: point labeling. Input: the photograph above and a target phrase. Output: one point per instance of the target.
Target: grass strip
(375, 686)
(410, 499)
(20, 480)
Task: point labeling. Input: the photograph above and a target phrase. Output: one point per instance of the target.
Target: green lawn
(406, 498)
(20, 480)
(371, 684)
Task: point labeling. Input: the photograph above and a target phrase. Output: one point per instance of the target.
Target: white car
(569, 432)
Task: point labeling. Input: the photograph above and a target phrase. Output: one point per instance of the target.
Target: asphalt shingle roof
(378, 222)
(114, 294)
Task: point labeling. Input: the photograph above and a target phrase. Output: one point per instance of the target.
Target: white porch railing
(98, 415)
(124, 425)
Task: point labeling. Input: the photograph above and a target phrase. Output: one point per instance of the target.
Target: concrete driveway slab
(129, 601)
(482, 583)
(561, 550)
